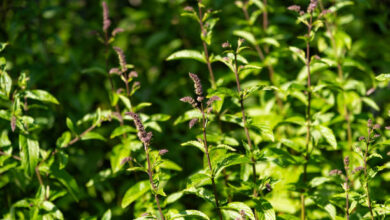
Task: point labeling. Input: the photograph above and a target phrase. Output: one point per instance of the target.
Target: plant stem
(150, 174)
(340, 74)
(13, 156)
(106, 44)
(206, 52)
(260, 53)
(265, 16)
(366, 175)
(255, 193)
(346, 191)
(206, 148)
(308, 115)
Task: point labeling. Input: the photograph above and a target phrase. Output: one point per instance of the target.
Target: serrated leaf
(169, 165)
(383, 77)
(327, 133)
(118, 153)
(134, 192)
(187, 54)
(265, 131)
(265, 210)
(331, 210)
(246, 35)
(196, 144)
(67, 180)
(270, 41)
(370, 103)
(197, 180)
(126, 101)
(64, 139)
(190, 213)
(122, 130)
(238, 206)
(225, 92)
(41, 95)
(4, 140)
(231, 160)
(29, 154)
(5, 84)
(92, 136)
(173, 197)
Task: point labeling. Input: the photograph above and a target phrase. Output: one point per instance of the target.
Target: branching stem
(206, 148)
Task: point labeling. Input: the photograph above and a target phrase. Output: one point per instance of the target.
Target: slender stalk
(329, 30)
(265, 17)
(259, 51)
(346, 168)
(74, 140)
(308, 115)
(213, 84)
(366, 175)
(117, 109)
(205, 49)
(347, 199)
(204, 122)
(255, 193)
(150, 174)
(13, 156)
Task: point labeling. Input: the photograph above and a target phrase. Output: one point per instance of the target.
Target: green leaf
(190, 213)
(298, 53)
(122, 130)
(29, 154)
(92, 136)
(52, 210)
(134, 169)
(67, 180)
(265, 131)
(383, 77)
(188, 115)
(126, 101)
(118, 153)
(238, 206)
(196, 144)
(187, 54)
(173, 197)
(160, 117)
(134, 192)
(70, 125)
(64, 140)
(246, 35)
(202, 193)
(3, 46)
(270, 41)
(327, 133)
(5, 83)
(331, 210)
(230, 160)
(169, 165)
(317, 181)
(264, 210)
(225, 92)
(107, 215)
(370, 103)
(41, 95)
(198, 179)
(4, 140)
(223, 146)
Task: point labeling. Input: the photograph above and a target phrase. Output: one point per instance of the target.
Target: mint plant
(286, 125)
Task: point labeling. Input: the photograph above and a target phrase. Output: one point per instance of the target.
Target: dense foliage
(213, 109)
